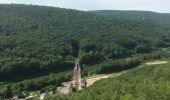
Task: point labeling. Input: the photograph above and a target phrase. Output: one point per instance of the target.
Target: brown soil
(156, 63)
(93, 79)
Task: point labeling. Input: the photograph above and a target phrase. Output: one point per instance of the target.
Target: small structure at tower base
(77, 83)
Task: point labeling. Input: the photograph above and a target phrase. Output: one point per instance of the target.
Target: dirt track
(156, 63)
(93, 79)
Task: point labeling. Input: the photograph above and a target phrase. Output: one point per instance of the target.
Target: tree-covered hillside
(37, 39)
(148, 83)
(162, 18)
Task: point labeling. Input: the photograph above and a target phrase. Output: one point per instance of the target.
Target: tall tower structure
(77, 75)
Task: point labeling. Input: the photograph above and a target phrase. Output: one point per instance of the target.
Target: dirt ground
(156, 63)
(93, 79)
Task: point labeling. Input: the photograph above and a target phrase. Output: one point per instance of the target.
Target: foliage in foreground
(147, 83)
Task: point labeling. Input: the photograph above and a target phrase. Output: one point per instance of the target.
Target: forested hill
(38, 39)
(162, 18)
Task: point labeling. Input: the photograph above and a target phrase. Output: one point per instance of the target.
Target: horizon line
(41, 5)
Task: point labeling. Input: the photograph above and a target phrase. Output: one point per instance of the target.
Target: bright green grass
(147, 83)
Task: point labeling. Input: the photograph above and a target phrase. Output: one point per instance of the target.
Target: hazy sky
(151, 5)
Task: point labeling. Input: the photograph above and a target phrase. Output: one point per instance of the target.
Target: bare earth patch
(93, 79)
(156, 63)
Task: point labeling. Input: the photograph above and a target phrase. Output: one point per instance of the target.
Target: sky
(162, 6)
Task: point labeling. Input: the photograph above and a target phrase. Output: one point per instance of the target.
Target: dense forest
(148, 83)
(161, 18)
(37, 39)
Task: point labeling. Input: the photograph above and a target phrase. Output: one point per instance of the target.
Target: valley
(123, 55)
